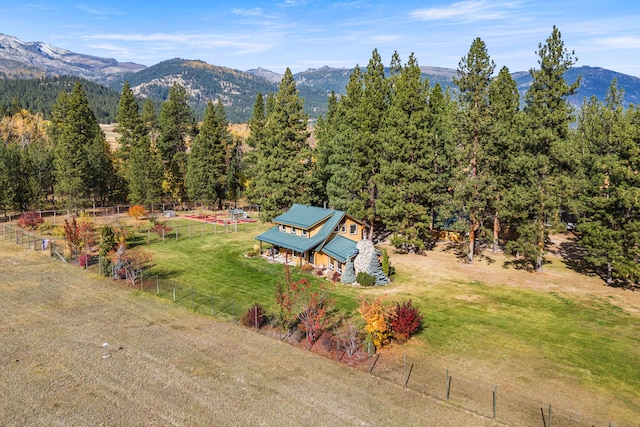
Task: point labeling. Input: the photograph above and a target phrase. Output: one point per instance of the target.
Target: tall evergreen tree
(176, 128)
(358, 142)
(547, 160)
(208, 162)
(504, 147)
(129, 125)
(610, 229)
(282, 173)
(407, 183)
(474, 177)
(82, 160)
(442, 138)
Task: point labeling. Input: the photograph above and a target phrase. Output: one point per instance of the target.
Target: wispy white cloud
(468, 10)
(253, 13)
(244, 43)
(620, 42)
(97, 11)
(38, 6)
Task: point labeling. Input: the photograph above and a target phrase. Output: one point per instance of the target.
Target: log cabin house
(324, 238)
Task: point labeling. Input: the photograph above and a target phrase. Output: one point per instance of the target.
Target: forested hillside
(497, 168)
(39, 96)
(203, 82)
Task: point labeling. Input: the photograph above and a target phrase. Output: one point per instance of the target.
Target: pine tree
(176, 128)
(129, 125)
(208, 163)
(281, 174)
(610, 229)
(546, 161)
(443, 141)
(358, 142)
(407, 181)
(82, 160)
(504, 146)
(474, 77)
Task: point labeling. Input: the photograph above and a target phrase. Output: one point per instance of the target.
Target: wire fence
(502, 403)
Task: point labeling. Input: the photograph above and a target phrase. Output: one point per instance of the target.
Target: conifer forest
(404, 156)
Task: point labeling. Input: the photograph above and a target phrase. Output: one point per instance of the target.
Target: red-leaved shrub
(30, 220)
(407, 321)
(254, 317)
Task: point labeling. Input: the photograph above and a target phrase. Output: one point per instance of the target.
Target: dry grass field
(168, 366)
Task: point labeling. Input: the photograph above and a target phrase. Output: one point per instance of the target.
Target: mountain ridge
(237, 89)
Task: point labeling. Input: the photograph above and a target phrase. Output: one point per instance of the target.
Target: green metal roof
(290, 241)
(303, 216)
(339, 248)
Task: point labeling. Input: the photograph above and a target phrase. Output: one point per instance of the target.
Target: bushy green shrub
(365, 279)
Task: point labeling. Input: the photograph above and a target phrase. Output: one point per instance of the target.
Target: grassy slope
(167, 366)
(538, 337)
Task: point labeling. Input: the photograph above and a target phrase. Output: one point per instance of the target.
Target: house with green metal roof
(322, 237)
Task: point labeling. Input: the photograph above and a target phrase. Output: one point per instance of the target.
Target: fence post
(233, 309)
(495, 401)
(192, 304)
(174, 293)
(176, 232)
(404, 374)
(448, 385)
(189, 230)
(157, 285)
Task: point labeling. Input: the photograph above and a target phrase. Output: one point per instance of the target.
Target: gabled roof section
(300, 243)
(303, 216)
(288, 240)
(339, 248)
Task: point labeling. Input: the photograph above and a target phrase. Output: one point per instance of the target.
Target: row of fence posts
(192, 295)
(408, 368)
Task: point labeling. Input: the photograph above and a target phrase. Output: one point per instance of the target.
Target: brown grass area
(167, 365)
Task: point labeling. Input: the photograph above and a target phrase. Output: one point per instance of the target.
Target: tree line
(394, 151)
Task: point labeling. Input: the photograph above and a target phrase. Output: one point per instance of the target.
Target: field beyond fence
(448, 381)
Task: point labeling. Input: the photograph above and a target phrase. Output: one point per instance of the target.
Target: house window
(303, 233)
(343, 229)
(353, 229)
(293, 230)
(331, 267)
(337, 228)
(340, 268)
(283, 228)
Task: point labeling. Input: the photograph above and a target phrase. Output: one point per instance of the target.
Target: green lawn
(588, 339)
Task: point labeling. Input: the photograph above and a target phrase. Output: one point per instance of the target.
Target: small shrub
(365, 279)
(84, 260)
(378, 320)
(137, 211)
(254, 317)
(160, 227)
(406, 322)
(328, 341)
(307, 267)
(317, 272)
(348, 337)
(334, 277)
(30, 220)
(251, 254)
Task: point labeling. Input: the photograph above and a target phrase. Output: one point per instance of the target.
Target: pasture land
(167, 365)
(557, 337)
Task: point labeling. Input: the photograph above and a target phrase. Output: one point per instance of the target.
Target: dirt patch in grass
(166, 365)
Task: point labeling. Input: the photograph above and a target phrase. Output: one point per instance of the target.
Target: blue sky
(302, 34)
